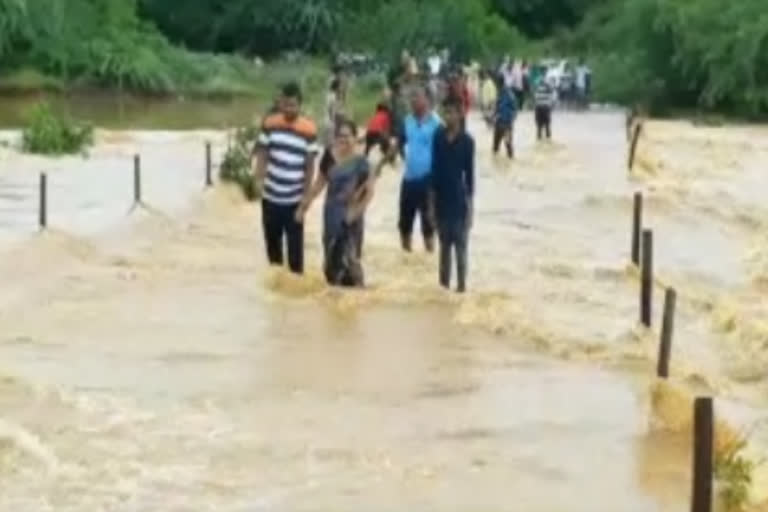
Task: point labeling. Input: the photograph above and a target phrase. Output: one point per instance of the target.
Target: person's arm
(364, 193)
(402, 140)
(433, 177)
(469, 179)
(309, 177)
(315, 190)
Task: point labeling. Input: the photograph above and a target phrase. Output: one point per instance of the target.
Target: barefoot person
(349, 188)
(285, 162)
(416, 138)
(452, 188)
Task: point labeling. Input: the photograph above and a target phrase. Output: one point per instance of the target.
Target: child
(379, 130)
(504, 120)
(544, 98)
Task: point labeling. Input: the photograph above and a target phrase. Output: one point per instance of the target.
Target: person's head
(290, 100)
(345, 136)
(419, 100)
(452, 112)
(336, 85)
(382, 107)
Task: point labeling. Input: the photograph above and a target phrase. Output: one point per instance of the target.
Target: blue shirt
(453, 175)
(417, 138)
(506, 107)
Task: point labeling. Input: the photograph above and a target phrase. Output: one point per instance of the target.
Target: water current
(150, 360)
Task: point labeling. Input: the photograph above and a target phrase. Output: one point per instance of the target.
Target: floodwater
(149, 359)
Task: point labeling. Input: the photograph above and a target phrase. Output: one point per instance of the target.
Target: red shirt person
(379, 130)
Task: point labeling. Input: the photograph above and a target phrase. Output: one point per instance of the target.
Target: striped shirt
(544, 96)
(288, 145)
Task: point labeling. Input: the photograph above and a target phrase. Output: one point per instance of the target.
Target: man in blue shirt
(416, 138)
(452, 188)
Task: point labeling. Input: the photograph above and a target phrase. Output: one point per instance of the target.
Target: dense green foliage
(702, 54)
(690, 54)
(104, 42)
(51, 133)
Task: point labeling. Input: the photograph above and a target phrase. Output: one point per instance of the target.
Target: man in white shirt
(435, 63)
(583, 75)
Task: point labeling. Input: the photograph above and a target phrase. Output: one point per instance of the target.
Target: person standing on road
(434, 62)
(330, 116)
(285, 162)
(451, 190)
(583, 78)
(416, 140)
(544, 99)
(504, 120)
(488, 94)
(349, 186)
(379, 130)
(518, 82)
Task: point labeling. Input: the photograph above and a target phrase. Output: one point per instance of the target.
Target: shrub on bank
(236, 164)
(50, 133)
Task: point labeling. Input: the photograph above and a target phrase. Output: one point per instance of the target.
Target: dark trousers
(376, 139)
(543, 122)
(279, 221)
(453, 236)
(414, 198)
(519, 97)
(503, 132)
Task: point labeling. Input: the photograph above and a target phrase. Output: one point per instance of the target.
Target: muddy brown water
(150, 357)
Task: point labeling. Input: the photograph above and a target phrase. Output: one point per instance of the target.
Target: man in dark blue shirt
(452, 189)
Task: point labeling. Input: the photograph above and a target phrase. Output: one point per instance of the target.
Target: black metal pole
(43, 209)
(136, 179)
(637, 227)
(703, 432)
(667, 330)
(633, 145)
(208, 177)
(646, 279)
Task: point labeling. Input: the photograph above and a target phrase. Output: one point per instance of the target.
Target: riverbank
(218, 107)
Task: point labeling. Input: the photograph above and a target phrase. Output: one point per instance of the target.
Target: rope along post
(667, 329)
(703, 432)
(646, 278)
(208, 177)
(43, 197)
(137, 179)
(637, 226)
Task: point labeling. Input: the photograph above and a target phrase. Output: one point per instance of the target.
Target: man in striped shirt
(285, 162)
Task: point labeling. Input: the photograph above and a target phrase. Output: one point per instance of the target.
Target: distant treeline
(688, 54)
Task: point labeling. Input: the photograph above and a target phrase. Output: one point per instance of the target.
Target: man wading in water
(350, 186)
(285, 162)
(416, 138)
(452, 187)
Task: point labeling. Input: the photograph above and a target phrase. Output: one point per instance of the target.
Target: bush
(733, 473)
(49, 133)
(236, 164)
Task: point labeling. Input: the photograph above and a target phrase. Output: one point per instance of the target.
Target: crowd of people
(438, 153)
